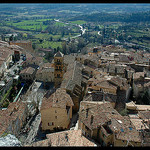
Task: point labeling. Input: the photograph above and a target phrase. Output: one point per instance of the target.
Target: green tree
(15, 38)
(40, 40)
(11, 38)
(81, 43)
(55, 50)
(124, 112)
(58, 48)
(64, 47)
(51, 38)
(34, 46)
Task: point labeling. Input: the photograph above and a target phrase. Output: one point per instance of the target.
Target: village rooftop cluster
(96, 99)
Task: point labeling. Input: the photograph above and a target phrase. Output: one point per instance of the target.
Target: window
(55, 117)
(58, 75)
(87, 112)
(55, 111)
(50, 123)
(67, 108)
(58, 60)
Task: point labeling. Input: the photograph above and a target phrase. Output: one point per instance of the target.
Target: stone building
(33, 62)
(28, 74)
(65, 138)
(56, 110)
(138, 84)
(13, 118)
(23, 44)
(101, 122)
(58, 68)
(45, 73)
(5, 59)
(74, 83)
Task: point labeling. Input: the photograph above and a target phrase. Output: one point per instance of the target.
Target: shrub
(124, 112)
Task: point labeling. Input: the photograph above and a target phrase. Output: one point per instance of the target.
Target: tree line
(115, 17)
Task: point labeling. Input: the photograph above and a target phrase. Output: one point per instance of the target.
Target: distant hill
(115, 17)
(81, 8)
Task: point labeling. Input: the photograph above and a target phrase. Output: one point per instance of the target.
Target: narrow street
(74, 121)
(31, 130)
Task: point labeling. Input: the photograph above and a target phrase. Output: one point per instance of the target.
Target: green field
(101, 26)
(79, 22)
(46, 36)
(48, 44)
(28, 24)
(60, 24)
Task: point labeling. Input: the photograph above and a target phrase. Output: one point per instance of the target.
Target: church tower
(58, 70)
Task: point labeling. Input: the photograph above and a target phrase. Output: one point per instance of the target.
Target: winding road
(99, 33)
(81, 28)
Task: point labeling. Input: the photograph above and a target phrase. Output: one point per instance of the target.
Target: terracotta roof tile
(137, 75)
(28, 70)
(58, 99)
(65, 138)
(14, 110)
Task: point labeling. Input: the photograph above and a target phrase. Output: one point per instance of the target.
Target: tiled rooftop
(32, 59)
(100, 96)
(59, 54)
(58, 99)
(76, 77)
(103, 113)
(120, 82)
(124, 129)
(28, 70)
(99, 110)
(138, 123)
(65, 138)
(68, 75)
(132, 105)
(5, 52)
(137, 75)
(144, 114)
(14, 110)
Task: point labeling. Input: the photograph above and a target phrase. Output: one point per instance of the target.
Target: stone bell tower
(58, 68)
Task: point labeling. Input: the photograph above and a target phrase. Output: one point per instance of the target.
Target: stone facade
(101, 122)
(56, 110)
(45, 73)
(58, 68)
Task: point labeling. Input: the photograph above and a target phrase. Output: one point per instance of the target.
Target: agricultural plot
(28, 24)
(48, 44)
(79, 22)
(46, 36)
(60, 24)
